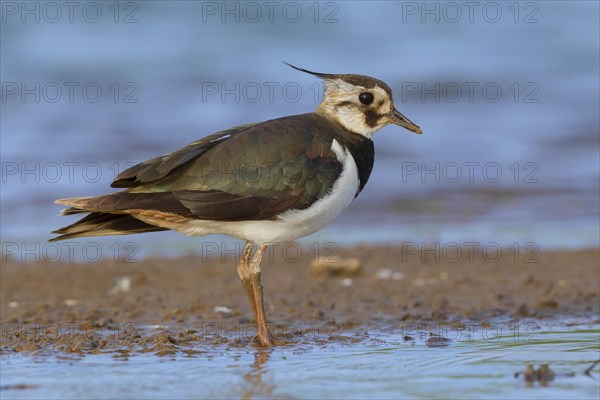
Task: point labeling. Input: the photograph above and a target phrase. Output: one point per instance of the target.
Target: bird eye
(365, 98)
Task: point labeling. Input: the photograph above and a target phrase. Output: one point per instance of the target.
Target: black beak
(399, 119)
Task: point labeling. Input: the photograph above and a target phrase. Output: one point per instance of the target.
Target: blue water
(381, 365)
(161, 80)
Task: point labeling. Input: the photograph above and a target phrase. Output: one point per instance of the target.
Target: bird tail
(98, 223)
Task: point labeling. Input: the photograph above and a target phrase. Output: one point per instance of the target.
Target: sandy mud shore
(180, 305)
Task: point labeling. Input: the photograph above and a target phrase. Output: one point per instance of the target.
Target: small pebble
(545, 373)
(423, 282)
(336, 266)
(437, 341)
(419, 282)
(383, 274)
(71, 302)
(396, 276)
(222, 309)
(346, 282)
(387, 274)
(123, 285)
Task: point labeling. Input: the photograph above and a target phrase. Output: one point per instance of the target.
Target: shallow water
(382, 364)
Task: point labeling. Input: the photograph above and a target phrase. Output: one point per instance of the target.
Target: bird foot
(264, 339)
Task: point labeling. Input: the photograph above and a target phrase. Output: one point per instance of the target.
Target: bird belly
(292, 224)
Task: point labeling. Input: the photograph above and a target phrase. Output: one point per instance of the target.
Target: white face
(342, 102)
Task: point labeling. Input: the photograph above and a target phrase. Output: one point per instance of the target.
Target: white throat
(350, 120)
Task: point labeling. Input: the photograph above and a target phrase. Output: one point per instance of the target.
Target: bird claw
(264, 339)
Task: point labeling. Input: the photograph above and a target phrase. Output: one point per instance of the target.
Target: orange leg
(244, 273)
(263, 335)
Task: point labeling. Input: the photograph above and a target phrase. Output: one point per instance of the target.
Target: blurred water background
(507, 94)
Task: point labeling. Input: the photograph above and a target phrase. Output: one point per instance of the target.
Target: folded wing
(251, 172)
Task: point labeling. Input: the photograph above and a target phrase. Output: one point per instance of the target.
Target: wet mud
(189, 305)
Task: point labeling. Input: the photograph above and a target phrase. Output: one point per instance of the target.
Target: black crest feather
(357, 80)
(317, 74)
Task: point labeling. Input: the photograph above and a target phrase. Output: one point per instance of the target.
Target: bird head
(359, 103)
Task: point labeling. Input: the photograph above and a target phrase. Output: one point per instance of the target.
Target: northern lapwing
(264, 183)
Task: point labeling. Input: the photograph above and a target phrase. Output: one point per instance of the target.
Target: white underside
(293, 224)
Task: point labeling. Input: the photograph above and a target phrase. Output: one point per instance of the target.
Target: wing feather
(246, 173)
